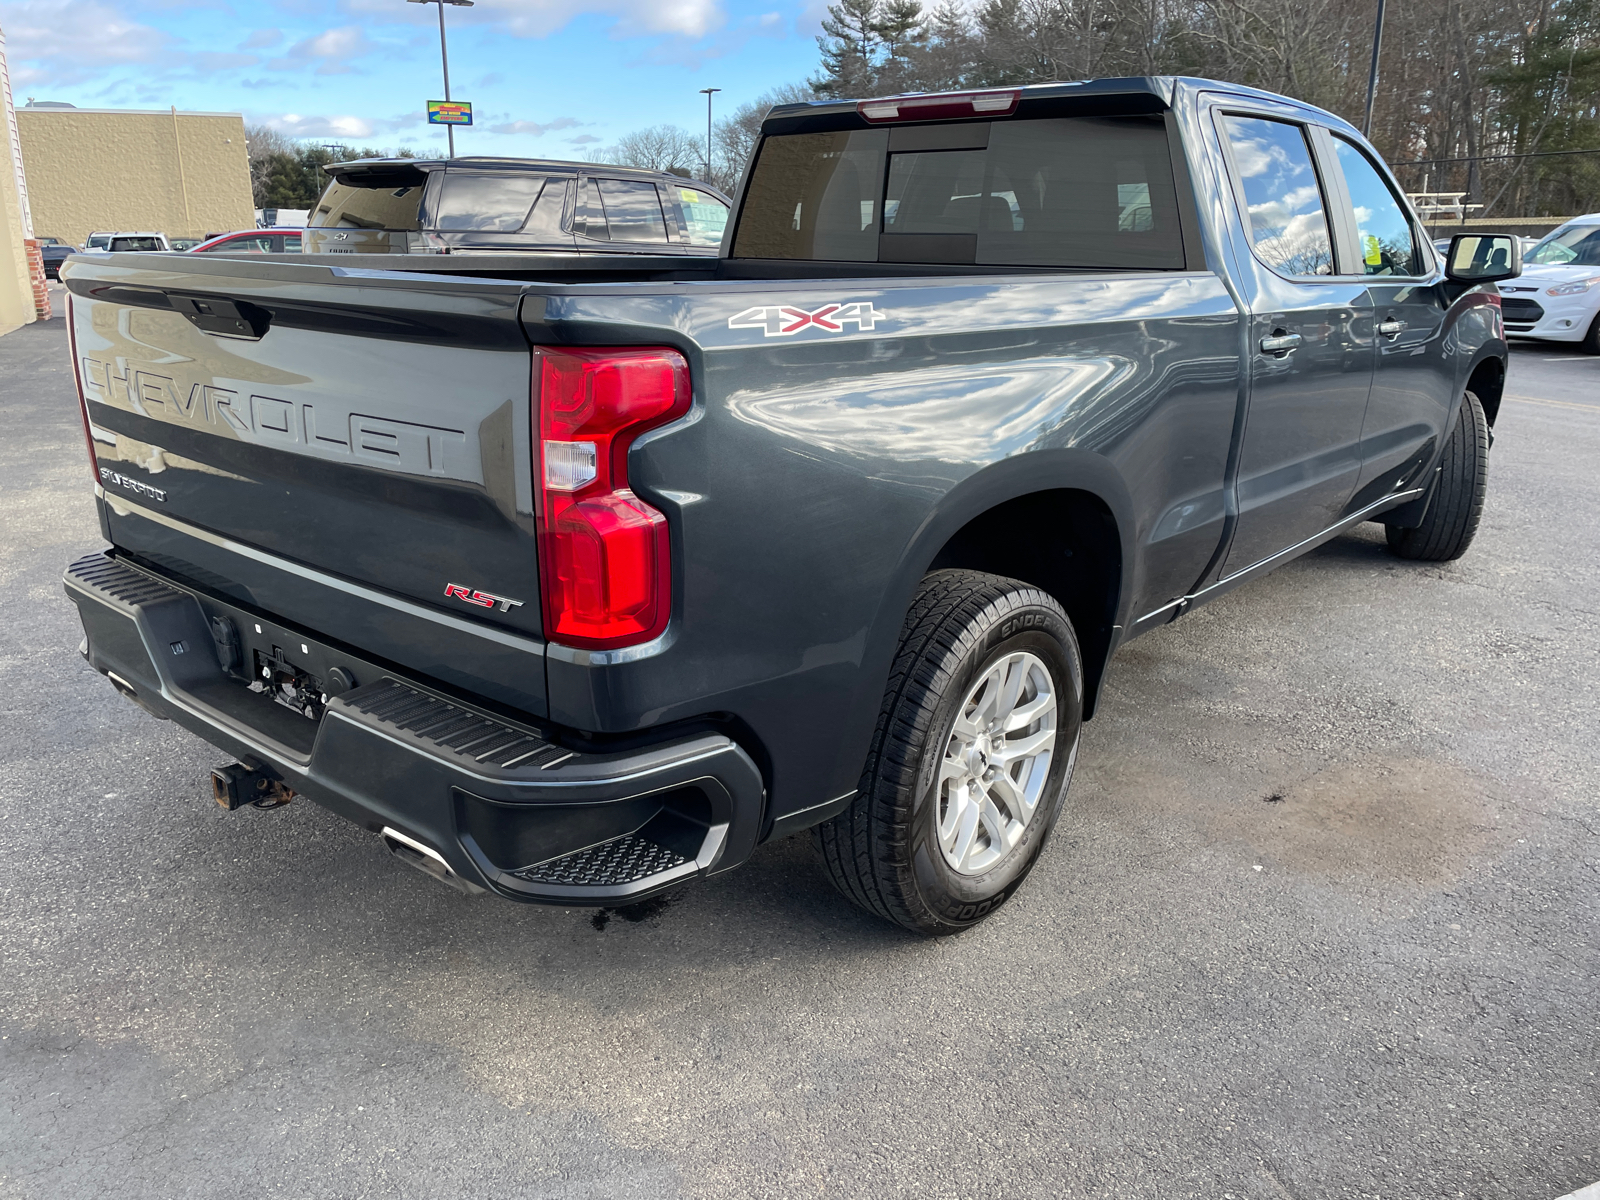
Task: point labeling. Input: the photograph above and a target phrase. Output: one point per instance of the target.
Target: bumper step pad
(621, 861)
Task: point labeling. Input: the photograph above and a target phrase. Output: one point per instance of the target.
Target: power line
(1429, 162)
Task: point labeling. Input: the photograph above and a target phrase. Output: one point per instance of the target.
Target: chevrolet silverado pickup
(575, 579)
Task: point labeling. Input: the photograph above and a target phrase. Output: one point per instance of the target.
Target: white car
(1557, 296)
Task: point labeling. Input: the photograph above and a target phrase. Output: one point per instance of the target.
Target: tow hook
(236, 785)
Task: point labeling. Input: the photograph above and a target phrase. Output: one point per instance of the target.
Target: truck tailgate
(334, 448)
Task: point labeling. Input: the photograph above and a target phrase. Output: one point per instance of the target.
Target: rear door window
(624, 210)
(1284, 210)
(1091, 192)
(497, 202)
(700, 216)
(1387, 243)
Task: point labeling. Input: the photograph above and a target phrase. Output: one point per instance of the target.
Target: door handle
(1279, 343)
(1391, 328)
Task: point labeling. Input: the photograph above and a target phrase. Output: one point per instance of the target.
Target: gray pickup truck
(575, 579)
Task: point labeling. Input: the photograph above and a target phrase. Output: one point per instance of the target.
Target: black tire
(1456, 505)
(883, 851)
(1591, 340)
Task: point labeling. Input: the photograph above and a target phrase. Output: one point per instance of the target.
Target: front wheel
(1591, 340)
(1451, 519)
(971, 757)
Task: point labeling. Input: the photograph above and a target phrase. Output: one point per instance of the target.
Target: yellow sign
(449, 112)
(1374, 251)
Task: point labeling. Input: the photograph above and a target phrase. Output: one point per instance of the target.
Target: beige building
(184, 174)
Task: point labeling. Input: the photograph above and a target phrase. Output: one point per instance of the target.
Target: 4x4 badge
(785, 320)
(481, 599)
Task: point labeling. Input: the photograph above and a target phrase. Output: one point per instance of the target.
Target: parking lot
(1322, 920)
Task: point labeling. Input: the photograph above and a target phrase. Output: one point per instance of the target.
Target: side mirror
(1483, 258)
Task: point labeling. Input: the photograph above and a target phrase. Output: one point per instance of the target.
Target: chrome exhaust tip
(427, 860)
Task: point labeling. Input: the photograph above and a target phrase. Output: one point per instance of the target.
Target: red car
(252, 241)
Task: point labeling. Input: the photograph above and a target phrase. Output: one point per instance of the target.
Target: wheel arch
(1058, 520)
(1487, 381)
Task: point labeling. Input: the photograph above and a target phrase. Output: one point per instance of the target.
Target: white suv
(1557, 296)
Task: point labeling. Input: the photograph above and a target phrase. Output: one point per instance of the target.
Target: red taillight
(947, 106)
(83, 401)
(604, 554)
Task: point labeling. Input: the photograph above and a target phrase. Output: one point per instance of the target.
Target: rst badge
(482, 599)
(785, 320)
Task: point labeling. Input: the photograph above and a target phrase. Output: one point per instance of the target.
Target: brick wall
(41, 291)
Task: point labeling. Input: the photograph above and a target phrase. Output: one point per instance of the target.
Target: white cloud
(300, 126)
(331, 51)
(348, 41)
(693, 53)
(534, 128)
(540, 18)
(260, 39)
(63, 43)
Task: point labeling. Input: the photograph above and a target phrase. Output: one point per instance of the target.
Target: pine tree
(849, 46)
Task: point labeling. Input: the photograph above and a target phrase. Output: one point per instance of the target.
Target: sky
(546, 78)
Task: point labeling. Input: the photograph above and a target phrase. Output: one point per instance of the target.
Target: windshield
(136, 243)
(1093, 192)
(98, 240)
(1576, 245)
(344, 206)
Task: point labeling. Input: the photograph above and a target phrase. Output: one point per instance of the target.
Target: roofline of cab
(1165, 88)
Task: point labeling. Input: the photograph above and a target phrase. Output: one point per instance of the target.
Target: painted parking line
(1592, 1192)
(1595, 408)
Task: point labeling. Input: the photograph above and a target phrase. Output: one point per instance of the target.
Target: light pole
(708, 93)
(1372, 75)
(444, 56)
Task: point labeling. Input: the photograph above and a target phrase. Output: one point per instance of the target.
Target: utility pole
(708, 92)
(444, 56)
(1372, 76)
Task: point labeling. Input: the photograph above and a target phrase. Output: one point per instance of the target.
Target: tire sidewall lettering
(965, 900)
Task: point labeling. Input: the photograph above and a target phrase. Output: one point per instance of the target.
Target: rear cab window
(1079, 192)
(135, 244)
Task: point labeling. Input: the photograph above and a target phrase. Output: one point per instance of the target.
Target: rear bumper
(503, 803)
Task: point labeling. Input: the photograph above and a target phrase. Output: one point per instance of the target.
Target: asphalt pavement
(1322, 920)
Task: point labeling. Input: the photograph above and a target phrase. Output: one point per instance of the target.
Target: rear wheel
(1456, 505)
(970, 760)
